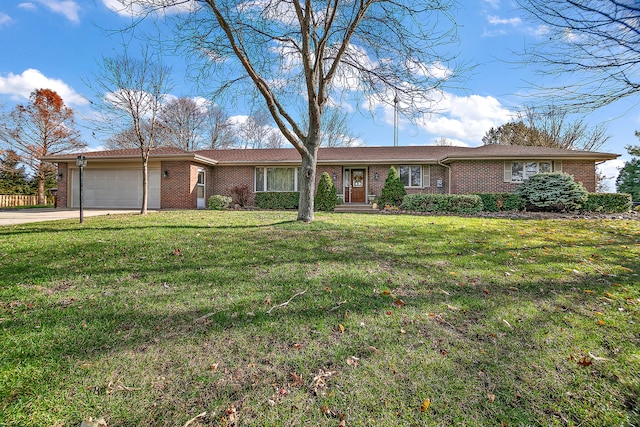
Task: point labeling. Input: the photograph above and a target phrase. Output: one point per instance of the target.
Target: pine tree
(393, 191)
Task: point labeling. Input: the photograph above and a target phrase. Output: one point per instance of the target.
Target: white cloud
(610, 170)
(68, 8)
(28, 6)
(20, 86)
(465, 119)
(493, 3)
(4, 19)
(495, 20)
(137, 8)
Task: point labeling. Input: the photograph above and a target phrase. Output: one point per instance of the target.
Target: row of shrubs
(504, 202)
(543, 192)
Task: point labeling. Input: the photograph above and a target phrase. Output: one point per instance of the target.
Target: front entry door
(200, 189)
(358, 189)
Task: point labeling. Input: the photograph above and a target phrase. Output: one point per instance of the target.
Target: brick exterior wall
(478, 176)
(178, 189)
(226, 177)
(582, 171)
(62, 201)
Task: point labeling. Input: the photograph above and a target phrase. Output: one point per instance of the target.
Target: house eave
(598, 157)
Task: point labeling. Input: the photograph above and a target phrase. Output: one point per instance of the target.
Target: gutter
(449, 170)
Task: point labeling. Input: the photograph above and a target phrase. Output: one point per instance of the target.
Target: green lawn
(254, 319)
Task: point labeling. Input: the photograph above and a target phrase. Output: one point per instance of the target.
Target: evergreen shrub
(278, 200)
(443, 203)
(608, 203)
(218, 202)
(500, 202)
(553, 192)
(326, 197)
(393, 191)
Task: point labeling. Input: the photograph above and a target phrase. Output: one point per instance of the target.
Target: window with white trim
(521, 170)
(412, 176)
(276, 179)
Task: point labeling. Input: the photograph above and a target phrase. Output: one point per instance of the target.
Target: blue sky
(58, 44)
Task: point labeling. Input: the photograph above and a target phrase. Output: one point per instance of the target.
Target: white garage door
(114, 188)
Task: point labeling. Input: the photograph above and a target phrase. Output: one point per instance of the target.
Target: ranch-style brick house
(181, 179)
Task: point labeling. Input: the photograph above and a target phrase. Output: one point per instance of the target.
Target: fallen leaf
(353, 361)
(177, 252)
(600, 322)
(452, 308)
(100, 422)
(585, 361)
(399, 303)
(341, 327)
(491, 397)
(297, 379)
(425, 405)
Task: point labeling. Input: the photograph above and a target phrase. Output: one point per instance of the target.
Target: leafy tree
(628, 180)
(512, 133)
(295, 56)
(133, 91)
(597, 41)
(326, 197)
(13, 177)
(393, 190)
(43, 127)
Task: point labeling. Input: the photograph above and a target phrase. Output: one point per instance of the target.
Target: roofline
(585, 156)
(167, 157)
(328, 162)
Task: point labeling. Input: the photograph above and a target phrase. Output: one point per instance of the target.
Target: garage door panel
(115, 188)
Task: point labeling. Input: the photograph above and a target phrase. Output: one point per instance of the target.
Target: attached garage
(114, 188)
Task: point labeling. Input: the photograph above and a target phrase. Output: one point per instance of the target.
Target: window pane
(531, 169)
(517, 171)
(545, 167)
(281, 179)
(259, 179)
(201, 177)
(403, 171)
(416, 176)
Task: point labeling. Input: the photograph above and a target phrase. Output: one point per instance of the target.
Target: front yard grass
(253, 319)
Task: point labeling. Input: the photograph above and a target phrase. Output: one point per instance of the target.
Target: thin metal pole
(81, 211)
(395, 120)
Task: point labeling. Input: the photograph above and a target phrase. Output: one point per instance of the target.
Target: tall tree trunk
(145, 185)
(41, 178)
(308, 179)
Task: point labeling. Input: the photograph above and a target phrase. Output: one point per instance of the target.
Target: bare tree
(595, 41)
(132, 92)
(296, 52)
(218, 130)
(334, 129)
(126, 138)
(549, 127)
(183, 121)
(43, 127)
(555, 128)
(255, 131)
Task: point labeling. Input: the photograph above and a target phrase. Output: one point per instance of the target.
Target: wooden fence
(13, 201)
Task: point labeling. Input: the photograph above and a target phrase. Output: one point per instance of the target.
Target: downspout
(449, 170)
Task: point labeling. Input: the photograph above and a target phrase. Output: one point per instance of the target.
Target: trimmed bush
(218, 203)
(608, 203)
(500, 202)
(443, 203)
(326, 197)
(393, 191)
(553, 192)
(278, 200)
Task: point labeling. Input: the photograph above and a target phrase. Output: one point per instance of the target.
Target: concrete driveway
(21, 216)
